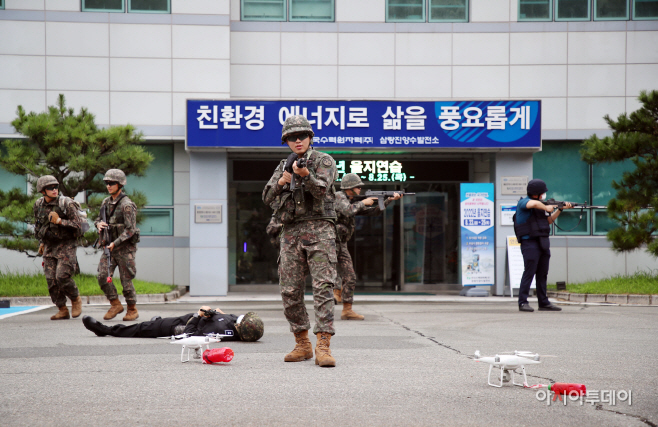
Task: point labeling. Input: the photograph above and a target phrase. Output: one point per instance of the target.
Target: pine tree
(634, 137)
(74, 150)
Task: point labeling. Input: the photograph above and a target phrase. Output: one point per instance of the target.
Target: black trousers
(536, 257)
(151, 329)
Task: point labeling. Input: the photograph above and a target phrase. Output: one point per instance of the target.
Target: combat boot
(76, 307)
(303, 349)
(95, 327)
(338, 296)
(349, 314)
(132, 313)
(322, 351)
(115, 309)
(63, 313)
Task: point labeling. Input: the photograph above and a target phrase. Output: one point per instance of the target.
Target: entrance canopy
(368, 125)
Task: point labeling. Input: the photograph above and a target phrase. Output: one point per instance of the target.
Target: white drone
(508, 364)
(194, 342)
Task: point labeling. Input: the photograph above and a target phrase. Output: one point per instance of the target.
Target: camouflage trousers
(298, 258)
(345, 270)
(125, 260)
(59, 276)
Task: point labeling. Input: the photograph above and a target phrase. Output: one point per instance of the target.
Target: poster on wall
(515, 265)
(477, 234)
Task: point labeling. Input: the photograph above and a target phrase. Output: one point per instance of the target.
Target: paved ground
(408, 364)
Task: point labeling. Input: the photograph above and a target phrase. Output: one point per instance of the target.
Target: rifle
(301, 163)
(381, 196)
(209, 313)
(104, 240)
(560, 205)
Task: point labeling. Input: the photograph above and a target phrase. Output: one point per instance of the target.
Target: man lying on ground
(245, 327)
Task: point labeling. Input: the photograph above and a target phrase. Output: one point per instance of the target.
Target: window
(535, 10)
(312, 10)
(277, 10)
(572, 10)
(2, 4)
(136, 6)
(610, 10)
(158, 186)
(448, 10)
(405, 11)
(645, 9)
(149, 6)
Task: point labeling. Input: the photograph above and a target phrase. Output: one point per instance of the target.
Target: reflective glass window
(2, 4)
(312, 10)
(149, 6)
(8, 180)
(573, 222)
(645, 9)
(610, 10)
(535, 10)
(156, 222)
(263, 10)
(405, 10)
(448, 10)
(602, 223)
(572, 10)
(103, 6)
(158, 180)
(602, 176)
(565, 174)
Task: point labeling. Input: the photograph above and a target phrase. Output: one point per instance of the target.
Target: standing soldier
(346, 210)
(124, 235)
(57, 227)
(308, 239)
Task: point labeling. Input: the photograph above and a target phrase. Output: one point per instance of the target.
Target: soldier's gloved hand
(41, 247)
(54, 218)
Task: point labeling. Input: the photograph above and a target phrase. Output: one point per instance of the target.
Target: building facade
(137, 62)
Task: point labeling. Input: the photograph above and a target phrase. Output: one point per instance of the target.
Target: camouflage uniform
(274, 230)
(345, 211)
(125, 235)
(308, 241)
(60, 261)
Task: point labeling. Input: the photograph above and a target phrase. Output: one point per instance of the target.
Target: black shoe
(95, 327)
(154, 318)
(526, 307)
(549, 307)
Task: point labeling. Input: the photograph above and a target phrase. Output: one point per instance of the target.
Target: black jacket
(219, 324)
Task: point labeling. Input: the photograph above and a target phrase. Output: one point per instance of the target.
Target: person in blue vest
(532, 228)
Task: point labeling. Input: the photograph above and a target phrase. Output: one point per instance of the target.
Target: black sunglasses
(111, 183)
(294, 138)
(52, 187)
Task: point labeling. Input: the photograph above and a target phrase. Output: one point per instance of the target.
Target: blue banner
(477, 234)
(368, 124)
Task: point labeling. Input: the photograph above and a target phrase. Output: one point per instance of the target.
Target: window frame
(168, 11)
(589, 14)
(423, 19)
(290, 18)
(634, 18)
(627, 18)
(2, 4)
(588, 223)
(85, 9)
(285, 12)
(549, 19)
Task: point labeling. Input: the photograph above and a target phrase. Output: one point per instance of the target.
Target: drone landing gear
(506, 375)
(197, 352)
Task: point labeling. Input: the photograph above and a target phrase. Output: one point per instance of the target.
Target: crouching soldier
(121, 214)
(58, 225)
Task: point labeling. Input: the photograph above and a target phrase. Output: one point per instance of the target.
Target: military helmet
(115, 175)
(295, 124)
(536, 187)
(251, 327)
(45, 181)
(349, 181)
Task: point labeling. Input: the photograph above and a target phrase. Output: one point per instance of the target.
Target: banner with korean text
(367, 124)
(477, 234)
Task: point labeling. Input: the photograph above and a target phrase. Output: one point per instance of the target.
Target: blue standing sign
(368, 124)
(477, 234)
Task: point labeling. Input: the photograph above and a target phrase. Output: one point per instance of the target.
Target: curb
(624, 299)
(101, 299)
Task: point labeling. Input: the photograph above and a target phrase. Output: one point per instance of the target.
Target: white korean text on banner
(367, 124)
(477, 234)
